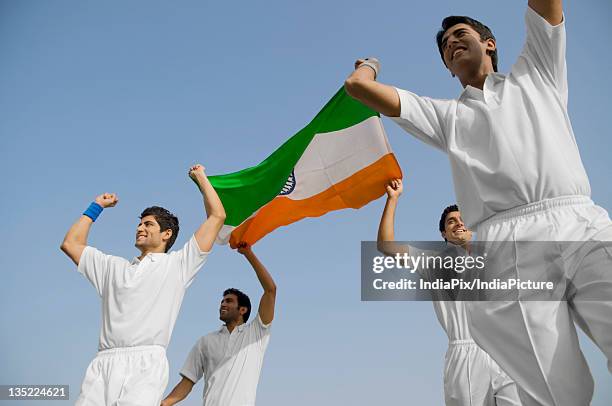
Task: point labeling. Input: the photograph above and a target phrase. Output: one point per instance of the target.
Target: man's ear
(443, 233)
(166, 234)
(242, 310)
(491, 45)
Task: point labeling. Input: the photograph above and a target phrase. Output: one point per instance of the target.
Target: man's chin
(226, 319)
(462, 240)
(140, 246)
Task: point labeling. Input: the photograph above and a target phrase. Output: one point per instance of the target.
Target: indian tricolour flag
(341, 159)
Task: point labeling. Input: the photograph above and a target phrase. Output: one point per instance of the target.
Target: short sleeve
(261, 326)
(545, 48)
(259, 332)
(193, 368)
(95, 266)
(424, 118)
(191, 260)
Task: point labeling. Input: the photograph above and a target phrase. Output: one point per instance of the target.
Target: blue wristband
(93, 211)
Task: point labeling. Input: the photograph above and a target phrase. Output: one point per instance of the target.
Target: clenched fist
(195, 171)
(372, 63)
(244, 248)
(395, 188)
(107, 200)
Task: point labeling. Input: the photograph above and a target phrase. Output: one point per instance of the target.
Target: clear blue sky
(122, 96)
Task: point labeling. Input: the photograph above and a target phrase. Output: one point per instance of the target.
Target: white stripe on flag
(335, 156)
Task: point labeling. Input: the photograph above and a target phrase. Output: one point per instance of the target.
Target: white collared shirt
(511, 143)
(231, 363)
(140, 299)
(451, 313)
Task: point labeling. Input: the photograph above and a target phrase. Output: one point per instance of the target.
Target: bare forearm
(76, 238)
(79, 231)
(386, 229)
(550, 10)
(180, 392)
(212, 203)
(205, 235)
(268, 299)
(382, 98)
(264, 277)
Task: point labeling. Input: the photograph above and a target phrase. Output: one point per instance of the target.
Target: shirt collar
(223, 329)
(153, 256)
(472, 92)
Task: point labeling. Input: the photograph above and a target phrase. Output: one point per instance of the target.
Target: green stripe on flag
(245, 191)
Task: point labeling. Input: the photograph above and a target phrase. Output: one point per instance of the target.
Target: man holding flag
(230, 359)
(518, 177)
(471, 377)
(140, 298)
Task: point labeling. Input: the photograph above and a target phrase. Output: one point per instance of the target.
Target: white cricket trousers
(472, 378)
(535, 342)
(130, 376)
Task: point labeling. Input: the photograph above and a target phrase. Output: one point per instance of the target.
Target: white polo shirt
(511, 143)
(231, 363)
(140, 299)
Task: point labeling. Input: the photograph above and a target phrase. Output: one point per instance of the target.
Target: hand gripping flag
(341, 159)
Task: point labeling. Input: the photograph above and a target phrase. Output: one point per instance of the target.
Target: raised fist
(244, 248)
(371, 62)
(196, 170)
(107, 200)
(395, 188)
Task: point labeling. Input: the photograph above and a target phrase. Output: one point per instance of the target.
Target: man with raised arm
(471, 377)
(518, 177)
(141, 297)
(230, 359)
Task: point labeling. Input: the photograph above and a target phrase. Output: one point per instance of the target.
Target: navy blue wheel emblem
(289, 185)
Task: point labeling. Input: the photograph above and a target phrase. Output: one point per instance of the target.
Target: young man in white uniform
(518, 177)
(471, 377)
(141, 298)
(231, 358)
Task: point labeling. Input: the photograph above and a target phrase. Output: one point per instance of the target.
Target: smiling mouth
(456, 51)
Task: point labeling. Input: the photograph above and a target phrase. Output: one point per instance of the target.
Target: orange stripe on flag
(356, 191)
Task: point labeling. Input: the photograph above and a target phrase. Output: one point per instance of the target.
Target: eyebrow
(445, 39)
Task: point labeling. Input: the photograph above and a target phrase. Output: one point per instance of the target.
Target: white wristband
(373, 64)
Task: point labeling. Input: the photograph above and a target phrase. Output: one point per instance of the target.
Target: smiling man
(230, 359)
(518, 176)
(141, 298)
(471, 377)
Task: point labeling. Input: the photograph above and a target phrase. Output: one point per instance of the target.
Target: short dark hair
(166, 221)
(480, 28)
(447, 210)
(243, 301)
